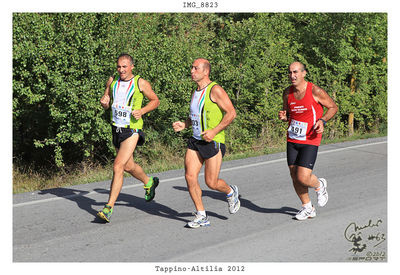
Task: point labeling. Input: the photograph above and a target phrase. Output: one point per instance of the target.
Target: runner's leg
(136, 170)
(303, 179)
(193, 164)
(125, 152)
(211, 173)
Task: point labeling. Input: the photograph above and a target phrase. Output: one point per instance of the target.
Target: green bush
(61, 62)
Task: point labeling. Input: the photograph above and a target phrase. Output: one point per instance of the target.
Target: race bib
(121, 115)
(297, 130)
(196, 127)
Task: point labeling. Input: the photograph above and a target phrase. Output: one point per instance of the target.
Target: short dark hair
(127, 56)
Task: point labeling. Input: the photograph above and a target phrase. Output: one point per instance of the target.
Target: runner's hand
(208, 135)
(282, 115)
(105, 101)
(178, 126)
(137, 114)
(319, 127)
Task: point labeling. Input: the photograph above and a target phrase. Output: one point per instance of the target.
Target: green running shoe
(150, 191)
(105, 214)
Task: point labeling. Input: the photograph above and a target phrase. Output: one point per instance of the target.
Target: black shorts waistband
(124, 129)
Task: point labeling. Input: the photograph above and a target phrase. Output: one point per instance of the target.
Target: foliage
(58, 69)
(61, 62)
(340, 48)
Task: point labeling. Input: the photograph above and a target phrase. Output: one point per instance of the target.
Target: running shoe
(306, 213)
(233, 200)
(322, 193)
(198, 221)
(106, 213)
(150, 191)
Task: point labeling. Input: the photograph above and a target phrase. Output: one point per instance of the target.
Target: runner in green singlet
(211, 111)
(127, 93)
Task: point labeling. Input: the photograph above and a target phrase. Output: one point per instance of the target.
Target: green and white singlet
(126, 97)
(205, 114)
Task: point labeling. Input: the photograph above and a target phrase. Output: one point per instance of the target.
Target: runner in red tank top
(303, 115)
(303, 104)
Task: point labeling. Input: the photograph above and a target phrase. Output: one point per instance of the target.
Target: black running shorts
(206, 149)
(119, 134)
(303, 155)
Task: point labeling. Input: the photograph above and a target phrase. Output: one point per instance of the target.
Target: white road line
(182, 177)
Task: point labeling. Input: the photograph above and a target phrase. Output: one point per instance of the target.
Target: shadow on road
(76, 196)
(245, 203)
(155, 208)
(152, 208)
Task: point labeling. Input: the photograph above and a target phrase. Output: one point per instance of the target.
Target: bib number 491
(297, 130)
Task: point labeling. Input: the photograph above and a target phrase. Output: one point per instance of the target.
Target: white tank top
(196, 106)
(121, 111)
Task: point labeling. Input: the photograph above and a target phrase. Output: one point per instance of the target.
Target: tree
(347, 55)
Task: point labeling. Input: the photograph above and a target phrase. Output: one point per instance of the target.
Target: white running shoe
(198, 221)
(233, 200)
(322, 193)
(306, 213)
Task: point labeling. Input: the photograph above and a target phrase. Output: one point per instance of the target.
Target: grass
(28, 180)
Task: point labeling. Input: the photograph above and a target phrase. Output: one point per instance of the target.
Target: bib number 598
(120, 113)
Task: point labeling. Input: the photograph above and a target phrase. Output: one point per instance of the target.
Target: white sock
(308, 205)
(230, 193)
(203, 213)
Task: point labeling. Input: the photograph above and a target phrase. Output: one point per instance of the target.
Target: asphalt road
(60, 225)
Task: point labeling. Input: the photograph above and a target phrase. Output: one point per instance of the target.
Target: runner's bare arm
(105, 99)
(181, 125)
(283, 114)
(322, 97)
(148, 92)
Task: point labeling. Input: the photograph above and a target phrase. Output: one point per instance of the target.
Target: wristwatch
(323, 121)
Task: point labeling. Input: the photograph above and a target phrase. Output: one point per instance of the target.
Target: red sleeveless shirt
(303, 114)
